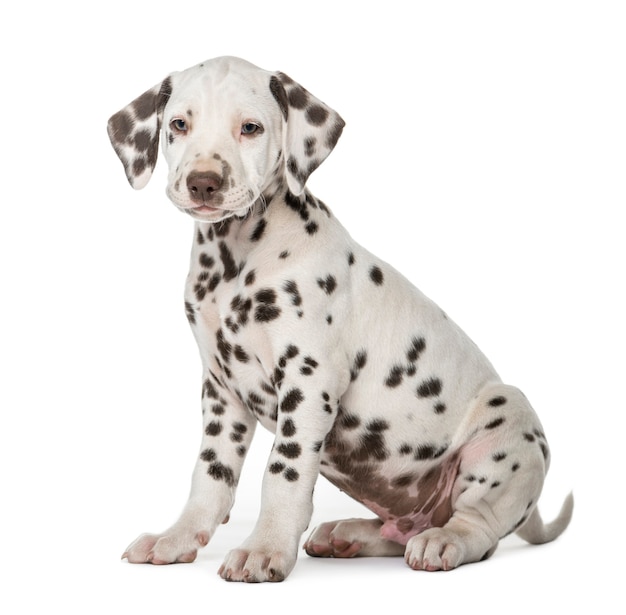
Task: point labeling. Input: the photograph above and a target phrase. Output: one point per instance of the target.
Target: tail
(536, 532)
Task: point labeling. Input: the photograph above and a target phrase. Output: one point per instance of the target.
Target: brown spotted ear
(310, 130)
(134, 133)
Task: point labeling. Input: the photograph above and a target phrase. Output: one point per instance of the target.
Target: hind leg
(503, 465)
(350, 538)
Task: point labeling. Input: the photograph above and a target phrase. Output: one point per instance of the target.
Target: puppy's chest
(247, 292)
(236, 309)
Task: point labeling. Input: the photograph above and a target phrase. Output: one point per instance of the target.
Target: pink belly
(431, 507)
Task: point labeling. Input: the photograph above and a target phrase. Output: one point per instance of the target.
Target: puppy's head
(229, 131)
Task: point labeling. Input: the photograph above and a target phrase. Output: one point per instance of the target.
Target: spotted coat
(358, 374)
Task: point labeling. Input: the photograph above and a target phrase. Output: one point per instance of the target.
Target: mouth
(205, 213)
(212, 213)
(203, 209)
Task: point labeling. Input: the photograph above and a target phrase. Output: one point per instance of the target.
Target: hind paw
(435, 549)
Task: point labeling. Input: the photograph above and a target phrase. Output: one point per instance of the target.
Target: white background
(483, 156)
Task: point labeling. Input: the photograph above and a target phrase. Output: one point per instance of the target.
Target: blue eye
(249, 128)
(178, 125)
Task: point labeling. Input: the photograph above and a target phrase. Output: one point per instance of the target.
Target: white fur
(359, 374)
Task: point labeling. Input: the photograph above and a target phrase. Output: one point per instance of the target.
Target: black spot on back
(495, 423)
(328, 284)
(359, 363)
(292, 288)
(429, 388)
(372, 444)
(418, 345)
(394, 378)
(424, 451)
(376, 275)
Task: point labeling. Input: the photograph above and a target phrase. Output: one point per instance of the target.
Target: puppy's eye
(178, 125)
(250, 128)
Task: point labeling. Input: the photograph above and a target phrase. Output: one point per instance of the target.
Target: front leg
(227, 431)
(306, 412)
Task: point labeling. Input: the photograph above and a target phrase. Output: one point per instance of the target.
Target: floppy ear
(134, 133)
(310, 130)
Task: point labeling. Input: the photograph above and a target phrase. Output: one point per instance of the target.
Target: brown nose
(202, 185)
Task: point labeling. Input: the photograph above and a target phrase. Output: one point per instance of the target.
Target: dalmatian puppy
(358, 374)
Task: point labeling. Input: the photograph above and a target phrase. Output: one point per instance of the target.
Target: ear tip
(139, 181)
(296, 187)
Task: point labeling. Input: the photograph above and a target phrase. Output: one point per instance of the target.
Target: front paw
(171, 547)
(257, 565)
